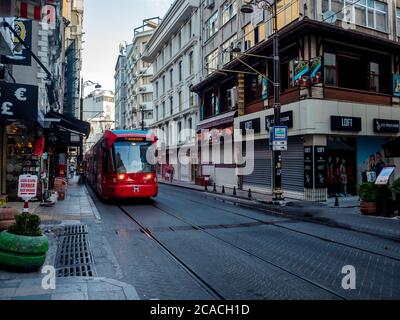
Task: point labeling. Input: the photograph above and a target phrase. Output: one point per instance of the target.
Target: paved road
(186, 245)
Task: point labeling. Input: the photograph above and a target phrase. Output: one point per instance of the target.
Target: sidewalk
(77, 209)
(346, 216)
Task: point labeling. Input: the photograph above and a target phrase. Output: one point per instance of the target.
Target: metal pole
(278, 194)
(81, 118)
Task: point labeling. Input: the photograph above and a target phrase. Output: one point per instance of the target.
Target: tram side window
(105, 161)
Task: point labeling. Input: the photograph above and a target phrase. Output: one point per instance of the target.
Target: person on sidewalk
(171, 173)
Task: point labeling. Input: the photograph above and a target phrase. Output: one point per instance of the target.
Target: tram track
(279, 225)
(209, 287)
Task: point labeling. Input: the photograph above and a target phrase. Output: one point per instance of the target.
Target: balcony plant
(23, 247)
(368, 193)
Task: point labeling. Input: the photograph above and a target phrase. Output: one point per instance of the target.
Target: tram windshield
(131, 157)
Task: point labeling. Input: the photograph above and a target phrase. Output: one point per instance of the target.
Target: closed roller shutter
(262, 174)
(293, 165)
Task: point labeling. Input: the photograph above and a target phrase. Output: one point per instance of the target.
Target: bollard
(250, 195)
(215, 187)
(223, 189)
(336, 201)
(234, 191)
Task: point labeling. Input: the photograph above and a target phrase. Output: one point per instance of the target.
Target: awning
(69, 123)
(214, 122)
(392, 148)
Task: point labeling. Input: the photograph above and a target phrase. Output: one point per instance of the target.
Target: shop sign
(18, 101)
(308, 168)
(320, 164)
(254, 125)
(386, 126)
(345, 124)
(22, 56)
(396, 85)
(286, 120)
(6, 36)
(27, 187)
(315, 70)
(384, 176)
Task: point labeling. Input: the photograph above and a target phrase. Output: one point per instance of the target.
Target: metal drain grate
(74, 257)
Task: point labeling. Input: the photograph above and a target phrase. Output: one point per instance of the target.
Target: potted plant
(395, 189)
(23, 246)
(368, 193)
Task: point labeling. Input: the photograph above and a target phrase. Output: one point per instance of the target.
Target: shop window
(330, 68)
(374, 78)
(254, 88)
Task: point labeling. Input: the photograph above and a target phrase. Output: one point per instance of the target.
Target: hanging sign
(18, 101)
(320, 166)
(396, 85)
(21, 55)
(27, 187)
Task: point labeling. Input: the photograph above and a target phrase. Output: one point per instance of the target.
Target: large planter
(22, 253)
(7, 217)
(368, 208)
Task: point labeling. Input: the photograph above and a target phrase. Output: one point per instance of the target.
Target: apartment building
(174, 51)
(139, 93)
(339, 70)
(120, 78)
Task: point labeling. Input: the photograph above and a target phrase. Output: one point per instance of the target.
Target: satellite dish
(330, 16)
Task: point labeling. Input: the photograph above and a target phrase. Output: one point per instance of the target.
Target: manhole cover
(74, 257)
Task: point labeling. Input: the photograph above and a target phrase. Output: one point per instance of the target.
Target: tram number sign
(27, 186)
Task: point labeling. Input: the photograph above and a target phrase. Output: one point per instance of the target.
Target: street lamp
(247, 7)
(85, 84)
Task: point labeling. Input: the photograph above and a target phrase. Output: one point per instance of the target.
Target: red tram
(117, 165)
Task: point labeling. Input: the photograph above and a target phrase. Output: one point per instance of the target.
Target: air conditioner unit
(210, 4)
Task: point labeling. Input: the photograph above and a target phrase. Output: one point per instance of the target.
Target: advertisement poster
(396, 85)
(316, 70)
(21, 55)
(264, 94)
(301, 73)
(320, 164)
(308, 167)
(370, 157)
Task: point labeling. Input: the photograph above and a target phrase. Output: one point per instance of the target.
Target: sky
(107, 24)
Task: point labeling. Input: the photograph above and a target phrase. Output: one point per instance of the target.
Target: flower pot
(22, 253)
(368, 208)
(7, 217)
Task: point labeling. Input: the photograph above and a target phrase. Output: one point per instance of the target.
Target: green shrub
(368, 191)
(26, 224)
(395, 187)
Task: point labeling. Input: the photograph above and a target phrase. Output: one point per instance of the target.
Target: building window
(212, 62)
(180, 96)
(330, 68)
(147, 97)
(157, 115)
(146, 80)
(248, 32)
(190, 29)
(170, 49)
(179, 133)
(148, 115)
(226, 48)
(374, 77)
(163, 84)
(398, 21)
(157, 90)
(288, 11)
(191, 99)
(211, 26)
(179, 40)
(163, 109)
(180, 71)
(366, 13)
(254, 88)
(229, 10)
(171, 106)
(191, 63)
(171, 78)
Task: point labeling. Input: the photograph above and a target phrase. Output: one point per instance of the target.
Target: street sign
(27, 187)
(279, 143)
(280, 148)
(280, 133)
